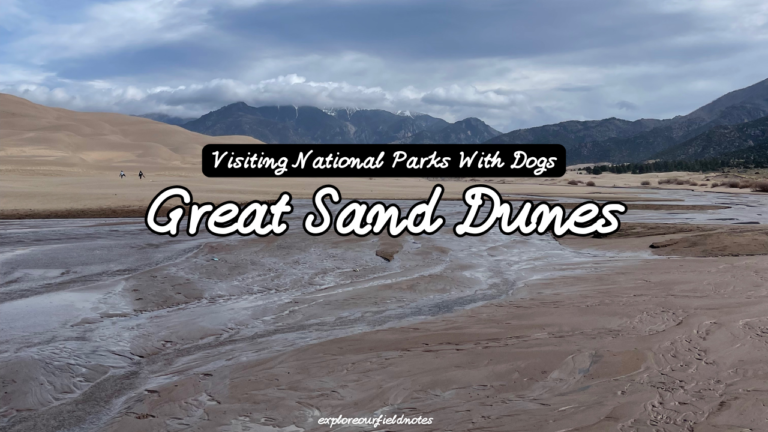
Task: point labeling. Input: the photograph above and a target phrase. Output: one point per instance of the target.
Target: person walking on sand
(122, 174)
(141, 175)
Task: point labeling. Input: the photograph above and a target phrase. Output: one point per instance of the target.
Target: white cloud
(452, 102)
(471, 96)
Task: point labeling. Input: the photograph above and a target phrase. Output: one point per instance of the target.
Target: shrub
(703, 184)
(573, 182)
(745, 184)
(590, 183)
(693, 183)
(671, 180)
(715, 184)
(733, 183)
(645, 183)
(760, 186)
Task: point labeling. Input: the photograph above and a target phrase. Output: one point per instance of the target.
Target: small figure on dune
(122, 174)
(141, 175)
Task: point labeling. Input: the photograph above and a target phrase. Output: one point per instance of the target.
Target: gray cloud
(513, 64)
(626, 106)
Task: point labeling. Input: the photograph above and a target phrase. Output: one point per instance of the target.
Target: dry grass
(693, 183)
(590, 183)
(760, 186)
(715, 184)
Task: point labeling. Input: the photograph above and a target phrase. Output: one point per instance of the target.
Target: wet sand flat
(84, 339)
(660, 344)
(109, 327)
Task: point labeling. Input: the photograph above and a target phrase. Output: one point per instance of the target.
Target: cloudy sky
(512, 63)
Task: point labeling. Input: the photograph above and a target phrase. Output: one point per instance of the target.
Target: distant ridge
(615, 140)
(165, 118)
(311, 125)
(467, 131)
(721, 141)
(570, 133)
(608, 140)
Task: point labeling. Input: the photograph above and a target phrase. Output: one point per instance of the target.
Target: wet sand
(136, 332)
(82, 337)
(670, 344)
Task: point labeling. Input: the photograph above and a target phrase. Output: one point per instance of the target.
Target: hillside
(373, 126)
(467, 131)
(38, 137)
(615, 140)
(639, 147)
(754, 155)
(574, 132)
(737, 106)
(721, 141)
(287, 124)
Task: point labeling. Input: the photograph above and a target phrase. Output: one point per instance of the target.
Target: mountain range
(469, 130)
(728, 124)
(616, 140)
(311, 125)
(721, 141)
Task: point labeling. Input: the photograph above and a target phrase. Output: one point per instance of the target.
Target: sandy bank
(681, 240)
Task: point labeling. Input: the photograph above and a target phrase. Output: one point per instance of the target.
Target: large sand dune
(36, 137)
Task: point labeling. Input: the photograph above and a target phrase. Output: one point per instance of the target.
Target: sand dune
(54, 139)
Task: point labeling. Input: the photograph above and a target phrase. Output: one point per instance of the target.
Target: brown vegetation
(760, 186)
